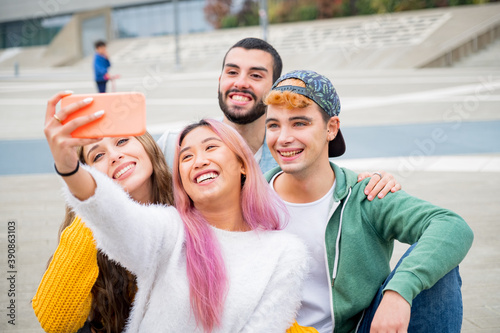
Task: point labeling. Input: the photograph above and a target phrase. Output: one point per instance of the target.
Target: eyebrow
(255, 68)
(91, 150)
(203, 141)
(309, 119)
(291, 119)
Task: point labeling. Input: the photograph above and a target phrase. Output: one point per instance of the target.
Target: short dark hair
(251, 43)
(99, 43)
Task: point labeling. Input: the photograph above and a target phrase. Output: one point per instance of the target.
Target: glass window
(137, 21)
(31, 32)
(158, 19)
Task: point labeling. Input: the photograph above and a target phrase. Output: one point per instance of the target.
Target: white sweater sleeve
(280, 303)
(135, 235)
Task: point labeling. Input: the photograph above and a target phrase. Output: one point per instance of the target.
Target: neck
(225, 217)
(253, 133)
(143, 195)
(305, 187)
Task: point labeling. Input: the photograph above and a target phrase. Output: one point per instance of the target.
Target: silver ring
(377, 173)
(57, 118)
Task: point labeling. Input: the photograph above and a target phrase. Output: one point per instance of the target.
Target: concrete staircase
(415, 39)
(488, 57)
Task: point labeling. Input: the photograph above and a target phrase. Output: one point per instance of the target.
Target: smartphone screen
(124, 114)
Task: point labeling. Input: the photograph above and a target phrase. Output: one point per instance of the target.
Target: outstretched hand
(380, 184)
(63, 145)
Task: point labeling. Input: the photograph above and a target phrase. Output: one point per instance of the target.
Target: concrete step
(488, 57)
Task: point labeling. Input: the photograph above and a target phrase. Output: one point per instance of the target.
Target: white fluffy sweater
(265, 269)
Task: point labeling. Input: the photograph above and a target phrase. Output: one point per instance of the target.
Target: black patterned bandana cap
(319, 89)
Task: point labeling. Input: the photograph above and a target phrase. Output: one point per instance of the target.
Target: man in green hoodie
(351, 287)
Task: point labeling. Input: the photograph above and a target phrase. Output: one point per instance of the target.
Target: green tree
(280, 11)
(329, 8)
(249, 13)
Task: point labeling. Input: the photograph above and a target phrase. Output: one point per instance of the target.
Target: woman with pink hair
(218, 262)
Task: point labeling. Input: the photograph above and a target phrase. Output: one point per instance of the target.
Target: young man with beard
(249, 69)
(351, 287)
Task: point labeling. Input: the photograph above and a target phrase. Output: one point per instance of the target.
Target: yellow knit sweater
(63, 299)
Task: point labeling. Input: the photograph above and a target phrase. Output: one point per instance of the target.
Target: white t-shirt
(309, 221)
(258, 154)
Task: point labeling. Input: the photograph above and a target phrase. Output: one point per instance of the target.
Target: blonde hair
(288, 99)
(292, 100)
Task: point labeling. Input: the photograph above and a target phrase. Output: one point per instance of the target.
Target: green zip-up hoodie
(366, 243)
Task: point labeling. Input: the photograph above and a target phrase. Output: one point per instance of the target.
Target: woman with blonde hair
(96, 293)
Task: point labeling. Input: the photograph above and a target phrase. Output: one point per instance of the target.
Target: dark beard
(242, 119)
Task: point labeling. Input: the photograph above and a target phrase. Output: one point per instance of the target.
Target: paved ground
(437, 130)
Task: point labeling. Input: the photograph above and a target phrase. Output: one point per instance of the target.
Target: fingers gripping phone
(124, 114)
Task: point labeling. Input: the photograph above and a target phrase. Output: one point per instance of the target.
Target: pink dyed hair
(261, 209)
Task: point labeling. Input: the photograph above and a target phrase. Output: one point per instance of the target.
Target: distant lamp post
(176, 33)
(263, 18)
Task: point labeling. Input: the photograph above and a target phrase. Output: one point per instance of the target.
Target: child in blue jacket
(101, 65)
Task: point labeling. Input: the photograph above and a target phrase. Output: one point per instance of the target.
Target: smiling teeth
(122, 171)
(240, 98)
(206, 176)
(290, 153)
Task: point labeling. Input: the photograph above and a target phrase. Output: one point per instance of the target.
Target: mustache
(241, 91)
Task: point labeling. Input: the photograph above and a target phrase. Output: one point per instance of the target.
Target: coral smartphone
(124, 114)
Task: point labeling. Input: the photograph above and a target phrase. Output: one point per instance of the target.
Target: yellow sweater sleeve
(63, 299)
(296, 328)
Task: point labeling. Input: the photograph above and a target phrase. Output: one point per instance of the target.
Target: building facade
(38, 22)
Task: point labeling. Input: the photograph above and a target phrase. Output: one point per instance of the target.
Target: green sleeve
(443, 237)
